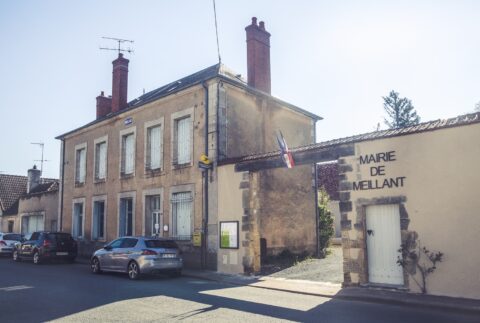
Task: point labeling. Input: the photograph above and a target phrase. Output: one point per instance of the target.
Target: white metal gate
(383, 242)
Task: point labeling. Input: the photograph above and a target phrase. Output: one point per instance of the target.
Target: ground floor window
(126, 217)
(10, 226)
(182, 215)
(77, 225)
(98, 222)
(32, 223)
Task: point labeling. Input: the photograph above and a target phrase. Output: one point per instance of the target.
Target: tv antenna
(42, 145)
(120, 41)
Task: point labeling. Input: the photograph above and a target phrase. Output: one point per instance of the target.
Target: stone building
(136, 169)
(29, 203)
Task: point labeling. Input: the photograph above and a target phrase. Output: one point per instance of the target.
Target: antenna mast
(42, 145)
(120, 41)
(216, 31)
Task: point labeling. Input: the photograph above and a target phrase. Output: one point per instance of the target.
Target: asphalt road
(69, 293)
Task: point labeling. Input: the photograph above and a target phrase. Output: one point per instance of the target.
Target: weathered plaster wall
(439, 201)
(287, 210)
(46, 204)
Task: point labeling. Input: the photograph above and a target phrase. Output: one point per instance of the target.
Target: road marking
(14, 288)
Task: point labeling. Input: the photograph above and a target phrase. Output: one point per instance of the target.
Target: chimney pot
(102, 94)
(262, 25)
(254, 21)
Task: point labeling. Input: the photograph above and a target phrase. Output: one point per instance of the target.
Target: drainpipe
(204, 249)
(60, 227)
(316, 194)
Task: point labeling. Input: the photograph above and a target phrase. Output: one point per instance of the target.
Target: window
(128, 154)
(182, 214)
(10, 226)
(80, 163)
(129, 243)
(98, 222)
(78, 215)
(153, 148)
(116, 243)
(100, 160)
(126, 217)
(32, 223)
(53, 225)
(182, 141)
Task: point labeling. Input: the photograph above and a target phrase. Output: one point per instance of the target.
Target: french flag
(286, 154)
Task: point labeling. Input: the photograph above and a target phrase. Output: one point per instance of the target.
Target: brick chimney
(104, 105)
(258, 56)
(33, 178)
(119, 83)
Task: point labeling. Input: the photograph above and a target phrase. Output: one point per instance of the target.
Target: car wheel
(95, 266)
(36, 258)
(16, 256)
(133, 271)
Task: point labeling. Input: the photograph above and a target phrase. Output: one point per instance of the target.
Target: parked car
(137, 256)
(8, 242)
(44, 245)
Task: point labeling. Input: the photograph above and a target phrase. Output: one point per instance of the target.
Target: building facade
(135, 169)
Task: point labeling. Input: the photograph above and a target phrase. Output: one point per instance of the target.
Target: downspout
(60, 228)
(317, 235)
(205, 187)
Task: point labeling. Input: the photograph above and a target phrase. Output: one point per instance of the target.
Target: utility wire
(216, 32)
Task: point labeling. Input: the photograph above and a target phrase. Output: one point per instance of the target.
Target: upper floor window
(154, 145)
(100, 159)
(182, 142)
(80, 163)
(127, 157)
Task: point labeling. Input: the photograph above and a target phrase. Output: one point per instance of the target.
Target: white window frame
(84, 166)
(186, 113)
(124, 195)
(122, 134)
(30, 214)
(78, 201)
(99, 198)
(150, 192)
(148, 125)
(96, 142)
(179, 189)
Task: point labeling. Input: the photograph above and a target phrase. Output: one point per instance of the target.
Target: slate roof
(13, 187)
(462, 120)
(217, 70)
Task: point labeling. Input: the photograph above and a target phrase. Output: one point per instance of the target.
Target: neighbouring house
(28, 203)
(163, 164)
(414, 184)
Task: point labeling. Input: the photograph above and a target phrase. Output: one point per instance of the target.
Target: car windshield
(13, 236)
(169, 244)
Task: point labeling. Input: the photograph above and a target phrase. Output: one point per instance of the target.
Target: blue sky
(334, 58)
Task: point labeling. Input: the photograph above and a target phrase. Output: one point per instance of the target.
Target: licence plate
(62, 253)
(169, 255)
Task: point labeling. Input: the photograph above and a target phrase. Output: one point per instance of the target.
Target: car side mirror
(108, 248)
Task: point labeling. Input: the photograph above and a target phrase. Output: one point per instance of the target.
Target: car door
(121, 256)
(106, 256)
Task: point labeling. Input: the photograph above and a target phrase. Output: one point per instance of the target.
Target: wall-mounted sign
(197, 239)
(128, 121)
(229, 235)
(377, 169)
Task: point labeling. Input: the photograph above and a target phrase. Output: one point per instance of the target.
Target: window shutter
(128, 151)
(82, 164)
(102, 160)
(155, 147)
(183, 141)
(182, 217)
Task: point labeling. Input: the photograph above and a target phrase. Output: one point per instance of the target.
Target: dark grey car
(137, 256)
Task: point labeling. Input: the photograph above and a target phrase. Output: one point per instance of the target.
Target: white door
(383, 242)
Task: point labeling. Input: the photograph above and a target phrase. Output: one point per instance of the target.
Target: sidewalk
(330, 290)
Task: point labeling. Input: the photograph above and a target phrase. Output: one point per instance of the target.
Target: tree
(325, 223)
(400, 111)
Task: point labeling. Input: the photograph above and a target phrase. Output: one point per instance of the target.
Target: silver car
(137, 256)
(8, 241)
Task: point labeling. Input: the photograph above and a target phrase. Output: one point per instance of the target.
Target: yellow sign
(204, 159)
(197, 239)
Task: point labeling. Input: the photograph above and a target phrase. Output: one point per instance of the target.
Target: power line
(216, 31)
